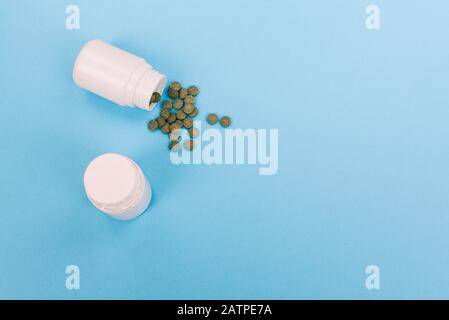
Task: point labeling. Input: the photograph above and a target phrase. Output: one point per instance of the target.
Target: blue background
(363, 152)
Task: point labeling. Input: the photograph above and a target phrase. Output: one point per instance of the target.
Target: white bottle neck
(141, 86)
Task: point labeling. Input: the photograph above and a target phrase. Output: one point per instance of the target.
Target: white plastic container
(117, 186)
(117, 75)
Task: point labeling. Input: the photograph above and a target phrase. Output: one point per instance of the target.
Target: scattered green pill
(167, 105)
(178, 124)
(160, 121)
(188, 108)
(165, 128)
(189, 144)
(225, 121)
(194, 132)
(180, 115)
(189, 99)
(155, 97)
(175, 85)
(153, 125)
(175, 134)
(187, 123)
(165, 114)
(171, 118)
(212, 118)
(194, 113)
(193, 90)
(172, 94)
(172, 127)
(178, 103)
(174, 145)
(182, 93)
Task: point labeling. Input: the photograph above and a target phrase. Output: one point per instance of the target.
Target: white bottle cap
(117, 186)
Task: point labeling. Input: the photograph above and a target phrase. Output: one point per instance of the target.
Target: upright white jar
(117, 75)
(117, 186)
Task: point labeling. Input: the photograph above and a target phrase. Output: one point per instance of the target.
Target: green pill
(175, 134)
(225, 121)
(171, 118)
(160, 122)
(193, 90)
(172, 127)
(165, 114)
(182, 93)
(181, 115)
(175, 85)
(172, 94)
(178, 103)
(194, 113)
(155, 97)
(188, 108)
(189, 99)
(165, 128)
(178, 124)
(187, 123)
(189, 144)
(153, 125)
(174, 146)
(212, 118)
(166, 105)
(194, 132)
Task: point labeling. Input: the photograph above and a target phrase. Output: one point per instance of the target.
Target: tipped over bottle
(117, 75)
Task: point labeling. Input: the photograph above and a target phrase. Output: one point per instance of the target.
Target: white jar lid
(116, 185)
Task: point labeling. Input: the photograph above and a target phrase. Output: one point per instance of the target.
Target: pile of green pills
(177, 114)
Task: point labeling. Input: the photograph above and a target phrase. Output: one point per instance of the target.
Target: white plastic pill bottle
(117, 75)
(117, 186)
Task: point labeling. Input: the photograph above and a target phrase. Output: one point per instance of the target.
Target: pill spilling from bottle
(178, 114)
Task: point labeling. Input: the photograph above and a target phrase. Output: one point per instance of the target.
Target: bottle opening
(159, 89)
